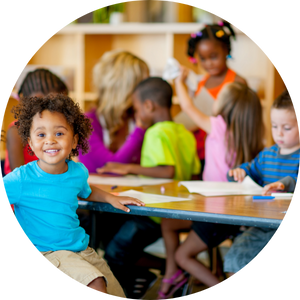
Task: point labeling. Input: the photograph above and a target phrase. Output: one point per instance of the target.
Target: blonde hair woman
(116, 138)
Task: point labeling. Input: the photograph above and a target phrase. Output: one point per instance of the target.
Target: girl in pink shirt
(235, 131)
(234, 136)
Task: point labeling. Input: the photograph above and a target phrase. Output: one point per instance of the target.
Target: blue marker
(263, 197)
(114, 187)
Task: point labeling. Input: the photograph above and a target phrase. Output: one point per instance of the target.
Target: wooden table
(235, 210)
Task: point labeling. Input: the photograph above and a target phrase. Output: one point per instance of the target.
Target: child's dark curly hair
(221, 32)
(29, 107)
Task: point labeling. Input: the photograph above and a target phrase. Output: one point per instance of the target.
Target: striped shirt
(270, 166)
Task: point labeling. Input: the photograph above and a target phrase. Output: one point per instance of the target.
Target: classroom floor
(193, 285)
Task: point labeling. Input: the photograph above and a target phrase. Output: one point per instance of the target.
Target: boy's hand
(119, 202)
(116, 168)
(275, 186)
(238, 174)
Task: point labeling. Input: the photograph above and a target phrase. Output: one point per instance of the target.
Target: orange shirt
(200, 134)
(230, 77)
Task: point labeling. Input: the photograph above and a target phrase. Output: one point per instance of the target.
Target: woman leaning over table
(116, 137)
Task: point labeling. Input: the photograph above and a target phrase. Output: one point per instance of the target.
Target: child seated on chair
(45, 192)
(275, 168)
(168, 151)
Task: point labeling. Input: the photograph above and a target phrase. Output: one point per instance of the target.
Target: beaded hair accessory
(197, 34)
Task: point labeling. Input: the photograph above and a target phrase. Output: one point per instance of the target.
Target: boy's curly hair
(29, 107)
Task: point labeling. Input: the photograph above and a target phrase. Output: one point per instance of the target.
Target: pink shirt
(216, 168)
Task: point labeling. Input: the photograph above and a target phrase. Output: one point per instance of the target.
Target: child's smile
(52, 140)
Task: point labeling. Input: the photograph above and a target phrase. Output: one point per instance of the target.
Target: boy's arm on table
(287, 184)
(97, 195)
(124, 169)
(187, 105)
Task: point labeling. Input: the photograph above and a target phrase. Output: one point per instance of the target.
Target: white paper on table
(126, 180)
(151, 198)
(211, 188)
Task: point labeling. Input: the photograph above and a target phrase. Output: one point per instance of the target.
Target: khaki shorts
(85, 266)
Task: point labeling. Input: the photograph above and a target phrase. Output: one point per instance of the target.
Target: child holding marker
(45, 192)
(275, 168)
(235, 135)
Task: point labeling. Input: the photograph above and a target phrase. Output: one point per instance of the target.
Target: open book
(211, 188)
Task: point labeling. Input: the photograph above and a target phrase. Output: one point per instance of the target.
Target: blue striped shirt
(270, 166)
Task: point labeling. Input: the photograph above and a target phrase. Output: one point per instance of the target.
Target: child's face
(285, 130)
(212, 55)
(142, 111)
(52, 140)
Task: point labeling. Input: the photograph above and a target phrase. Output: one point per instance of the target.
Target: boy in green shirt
(169, 150)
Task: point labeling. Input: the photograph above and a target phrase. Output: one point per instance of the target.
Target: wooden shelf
(134, 28)
(79, 46)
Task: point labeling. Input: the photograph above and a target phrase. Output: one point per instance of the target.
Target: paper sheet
(210, 188)
(151, 198)
(127, 180)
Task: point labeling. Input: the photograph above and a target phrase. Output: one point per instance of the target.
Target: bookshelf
(77, 47)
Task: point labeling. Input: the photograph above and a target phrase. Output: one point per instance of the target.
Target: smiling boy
(45, 192)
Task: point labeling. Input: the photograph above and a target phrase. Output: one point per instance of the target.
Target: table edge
(184, 215)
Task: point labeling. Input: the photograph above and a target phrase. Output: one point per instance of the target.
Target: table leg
(93, 230)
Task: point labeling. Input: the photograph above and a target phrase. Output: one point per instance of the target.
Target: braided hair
(41, 81)
(221, 32)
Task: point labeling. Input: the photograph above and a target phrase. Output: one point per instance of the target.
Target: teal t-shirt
(170, 144)
(45, 205)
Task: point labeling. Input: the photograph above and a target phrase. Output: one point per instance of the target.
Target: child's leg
(170, 232)
(186, 258)
(111, 284)
(87, 268)
(98, 284)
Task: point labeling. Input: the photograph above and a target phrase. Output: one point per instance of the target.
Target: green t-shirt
(169, 143)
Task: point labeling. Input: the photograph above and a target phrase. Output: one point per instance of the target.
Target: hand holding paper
(238, 174)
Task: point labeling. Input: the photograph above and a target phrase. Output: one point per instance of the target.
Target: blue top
(270, 166)
(46, 204)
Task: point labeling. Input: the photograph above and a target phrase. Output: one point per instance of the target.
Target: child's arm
(14, 148)
(187, 105)
(118, 202)
(287, 184)
(252, 169)
(236, 175)
(124, 169)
